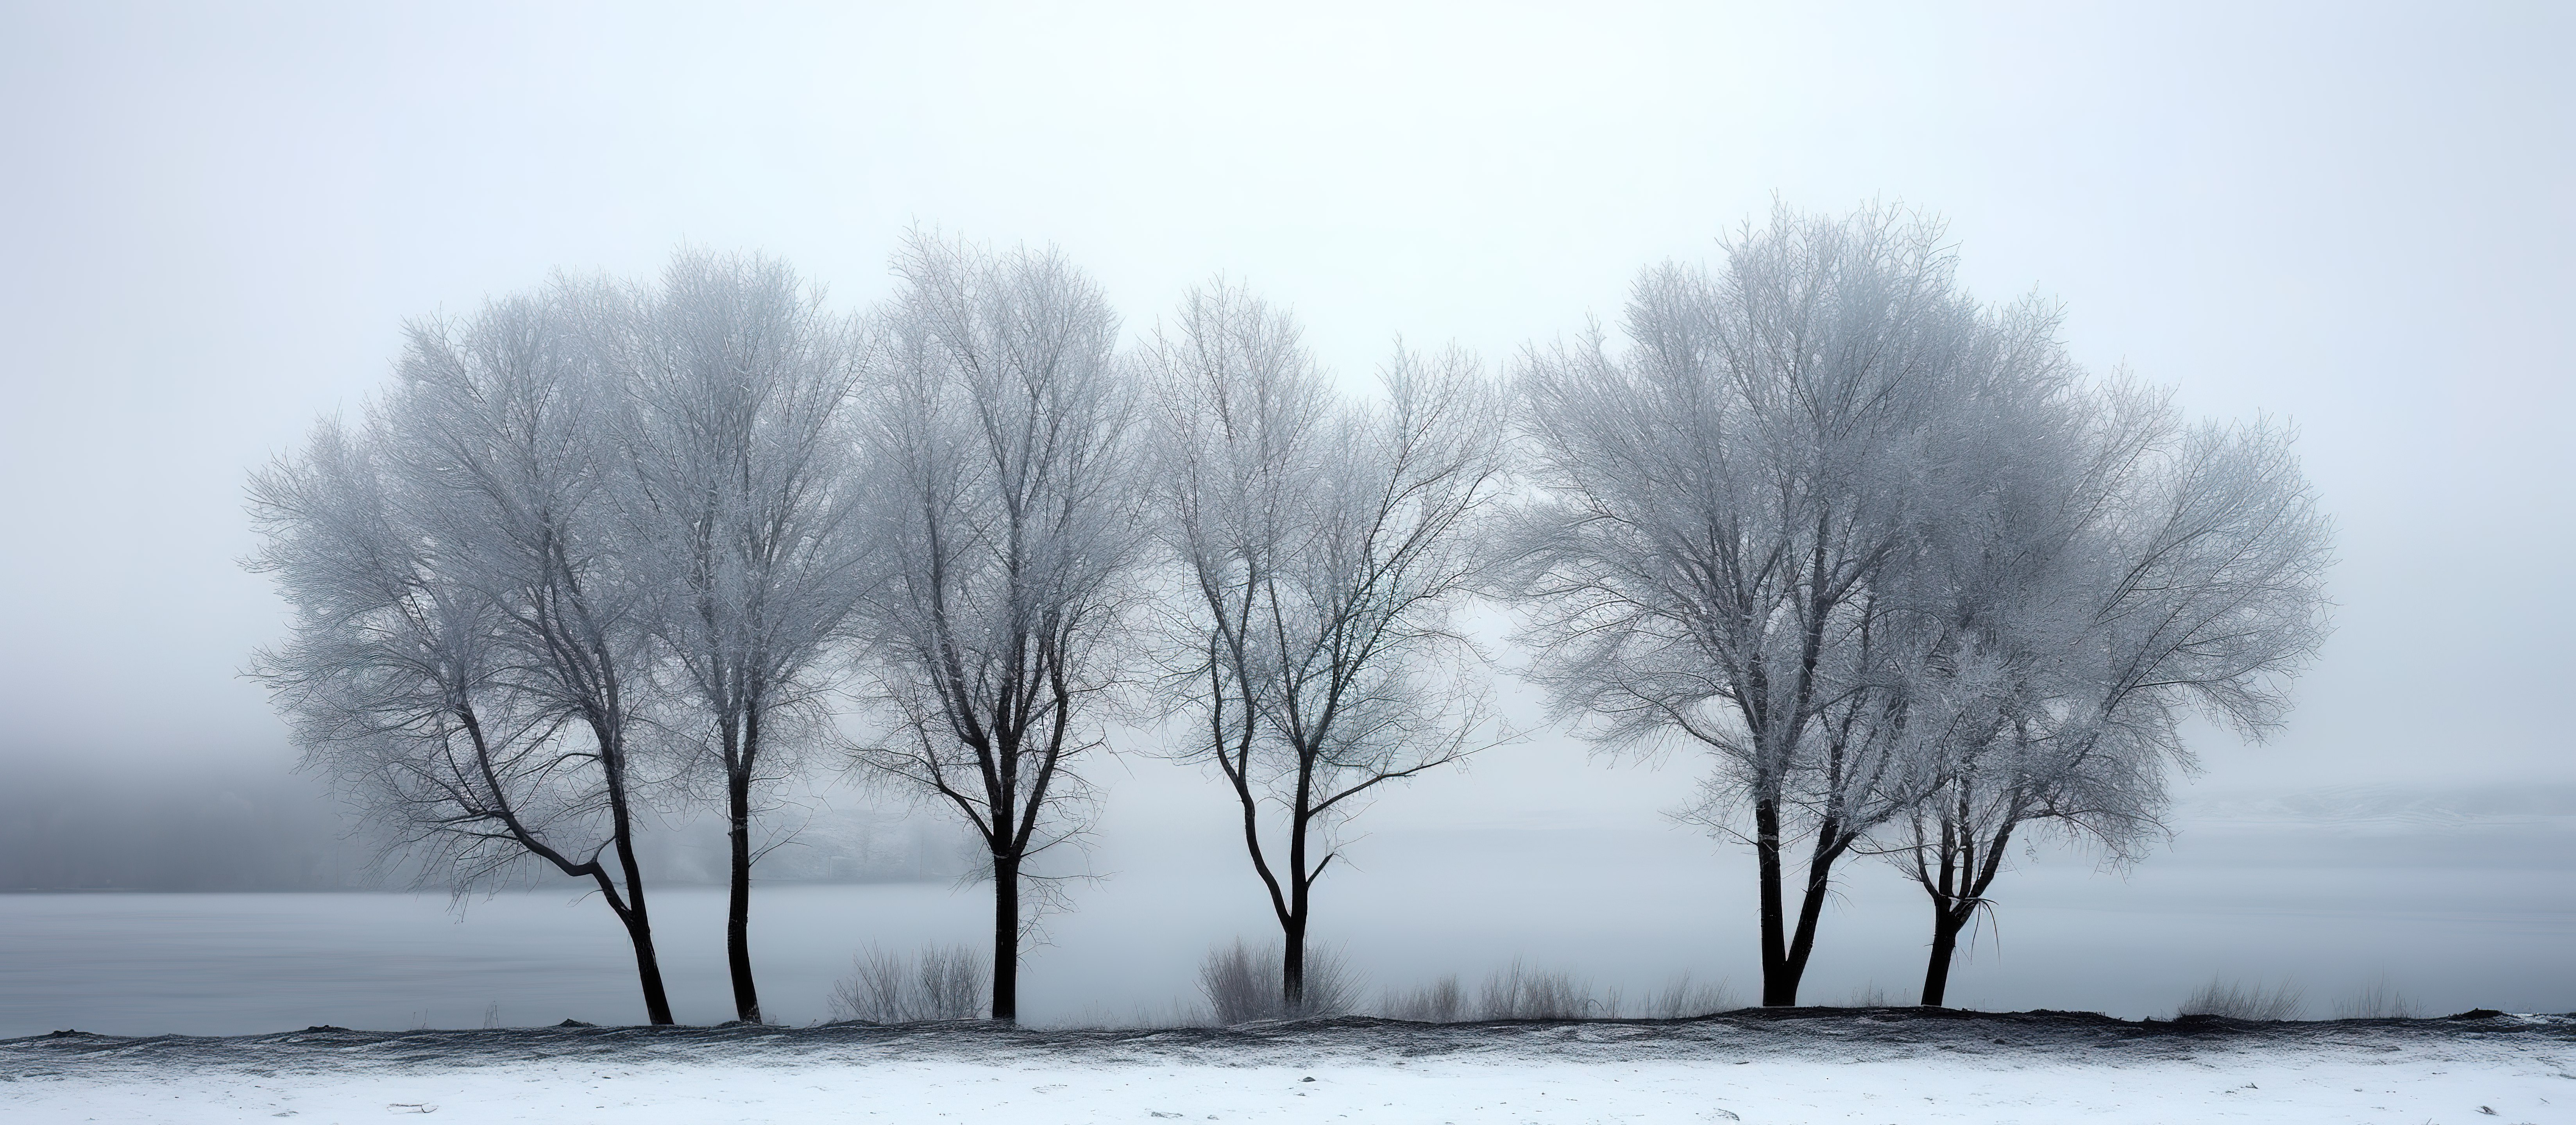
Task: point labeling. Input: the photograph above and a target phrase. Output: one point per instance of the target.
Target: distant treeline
(249, 826)
(174, 828)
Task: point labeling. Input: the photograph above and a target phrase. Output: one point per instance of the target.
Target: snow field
(2488, 1084)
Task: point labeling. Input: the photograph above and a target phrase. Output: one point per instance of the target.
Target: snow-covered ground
(1891, 1065)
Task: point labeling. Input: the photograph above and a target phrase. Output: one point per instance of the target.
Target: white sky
(2361, 218)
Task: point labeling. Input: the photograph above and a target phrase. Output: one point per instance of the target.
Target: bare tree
(1718, 507)
(1006, 503)
(1325, 543)
(742, 509)
(461, 650)
(2120, 575)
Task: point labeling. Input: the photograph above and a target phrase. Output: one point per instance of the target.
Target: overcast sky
(2359, 218)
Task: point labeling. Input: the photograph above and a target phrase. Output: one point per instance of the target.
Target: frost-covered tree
(465, 646)
(2115, 571)
(1321, 544)
(1719, 505)
(1005, 498)
(1989, 603)
(742, 510)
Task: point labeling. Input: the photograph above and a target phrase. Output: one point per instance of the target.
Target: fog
(2457, 904)
(2352, 218)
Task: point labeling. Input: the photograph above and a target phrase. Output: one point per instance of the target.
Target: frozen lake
(2446, 912)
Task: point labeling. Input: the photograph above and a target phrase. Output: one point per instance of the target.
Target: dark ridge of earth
(1746, 1035)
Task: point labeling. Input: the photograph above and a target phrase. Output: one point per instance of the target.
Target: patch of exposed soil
(1832, 1034)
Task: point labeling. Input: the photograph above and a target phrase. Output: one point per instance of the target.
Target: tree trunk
(1811, 908)
(1292, 971)
(628, 906)
(639, 923)
(1779, 986)
(1946, 924)
(1292, 925)
(1952, 911)
(746, 996)
(1006, 938)
(639, 930)
(648, 967)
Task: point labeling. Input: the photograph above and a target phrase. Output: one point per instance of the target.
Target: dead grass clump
(1521, 993)
(1441, 1001)
(2378, 1002)
(1680, 1000)
(2237, 1001)
(1242, 984)
(942, 983)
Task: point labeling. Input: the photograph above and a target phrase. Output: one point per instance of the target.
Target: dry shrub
(1242, 984)
(2378, 1002)
(1438, 1002)
(2238, 1001)
(1520, 993)
(942, 983)
(1679, 1000)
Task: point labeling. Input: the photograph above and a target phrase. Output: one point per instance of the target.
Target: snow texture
(1752, 1066)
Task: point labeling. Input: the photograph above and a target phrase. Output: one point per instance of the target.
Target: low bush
(942, 983)
(2377, 1002)
(1519, 993)
(1441, 1001)
(1242, 984)
(1680, 1000)
(2234, 1000)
